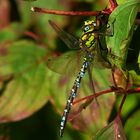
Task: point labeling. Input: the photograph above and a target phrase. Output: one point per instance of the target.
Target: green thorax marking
(87, 39)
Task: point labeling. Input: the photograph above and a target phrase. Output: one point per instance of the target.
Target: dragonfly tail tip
(61, 134)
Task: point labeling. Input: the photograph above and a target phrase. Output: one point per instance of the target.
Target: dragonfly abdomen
(72, 96)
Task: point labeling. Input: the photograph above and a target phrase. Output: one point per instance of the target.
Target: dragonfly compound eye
(87, 28)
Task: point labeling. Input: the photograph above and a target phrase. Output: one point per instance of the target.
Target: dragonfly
(92, 49)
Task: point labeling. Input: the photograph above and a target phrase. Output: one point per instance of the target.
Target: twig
(130, 91)
(66, 13)
(108, 11)
(93, 96)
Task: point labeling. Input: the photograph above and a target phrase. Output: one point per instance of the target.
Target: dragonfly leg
(111, 27)
(92, 85)
(109, 30)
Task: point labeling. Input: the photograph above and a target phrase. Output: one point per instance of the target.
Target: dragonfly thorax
(87, 39)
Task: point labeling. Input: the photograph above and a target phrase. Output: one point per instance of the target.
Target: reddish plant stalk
(66, 13)
(93, 96)
(122, 103)
(117, 120)
(113, 5)
(32, 35)
(130, 91)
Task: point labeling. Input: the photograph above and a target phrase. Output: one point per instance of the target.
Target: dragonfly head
(89, 26)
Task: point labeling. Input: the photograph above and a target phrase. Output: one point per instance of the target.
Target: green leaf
(27, 91)
(121, 1)
(11, 32)
(123, 19)
(132, 126)
(135, 78)
(113, 131)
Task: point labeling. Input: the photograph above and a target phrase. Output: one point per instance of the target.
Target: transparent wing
(68, 39)
(68, 63)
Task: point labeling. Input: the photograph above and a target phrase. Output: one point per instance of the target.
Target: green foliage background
(32, 97)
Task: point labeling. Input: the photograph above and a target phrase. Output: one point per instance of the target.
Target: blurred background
(32, 97)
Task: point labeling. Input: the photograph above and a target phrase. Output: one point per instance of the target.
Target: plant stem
(130, 91)
(93, 96)
(113, 5)
(66, 13)
(122, 103)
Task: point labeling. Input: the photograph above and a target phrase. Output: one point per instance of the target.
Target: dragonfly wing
(67, 63)
(69, 40)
